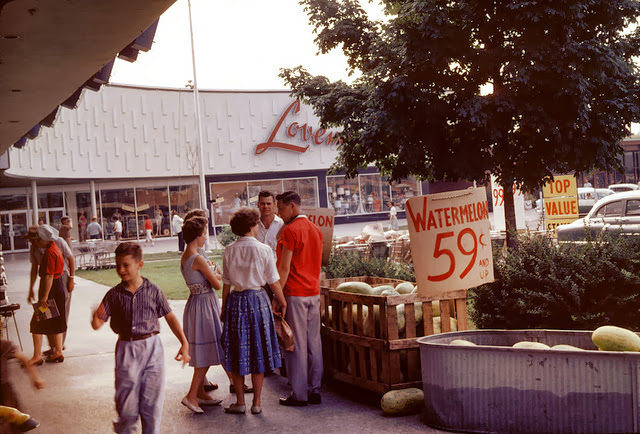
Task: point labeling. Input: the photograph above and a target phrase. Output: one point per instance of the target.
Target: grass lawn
(163, 269)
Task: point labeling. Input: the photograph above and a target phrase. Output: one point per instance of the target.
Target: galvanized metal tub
(495, 388)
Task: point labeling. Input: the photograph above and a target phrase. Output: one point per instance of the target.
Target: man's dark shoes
(315, 398)
(292, 402)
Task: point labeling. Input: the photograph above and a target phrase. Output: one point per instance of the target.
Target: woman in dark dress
(51, 269)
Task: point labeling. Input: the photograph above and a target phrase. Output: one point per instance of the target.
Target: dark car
(616, 212)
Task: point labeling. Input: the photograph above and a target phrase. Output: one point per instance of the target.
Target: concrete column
(34, 201)
(94, 207)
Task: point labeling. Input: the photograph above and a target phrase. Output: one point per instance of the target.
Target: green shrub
(352, 264)
(539, 284)
(226, 236)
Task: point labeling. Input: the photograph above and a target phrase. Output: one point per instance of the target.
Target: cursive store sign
(304, 132)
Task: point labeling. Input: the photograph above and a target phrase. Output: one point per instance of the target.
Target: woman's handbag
(284, 332)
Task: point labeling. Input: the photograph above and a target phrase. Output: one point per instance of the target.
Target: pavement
(78, 397)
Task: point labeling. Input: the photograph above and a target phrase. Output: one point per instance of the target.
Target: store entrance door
(14, 228)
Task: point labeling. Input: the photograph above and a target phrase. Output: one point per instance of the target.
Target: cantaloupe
(531, 345)
(462, 343)
(404, 288)
(355, 287)
(612, 338)
(404, 401)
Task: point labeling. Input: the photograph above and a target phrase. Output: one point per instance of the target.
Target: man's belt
(136, 337)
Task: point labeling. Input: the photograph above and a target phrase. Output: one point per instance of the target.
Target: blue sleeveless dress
(201, 319)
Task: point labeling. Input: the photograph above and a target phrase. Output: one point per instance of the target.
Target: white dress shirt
(248, 264)
(269, 236)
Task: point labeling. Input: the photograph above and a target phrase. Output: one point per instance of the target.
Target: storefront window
(255, 187)
(344, 195)
(120, 204)
(307, 188)
(50, 200)
(229, 196)
(371, 186)
(13, 201)
(154, 203)
(403, 190)
(83, 213)
(184, 198)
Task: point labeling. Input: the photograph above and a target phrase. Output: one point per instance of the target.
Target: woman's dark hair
(243, 220)
(129, 248)
(193, 228)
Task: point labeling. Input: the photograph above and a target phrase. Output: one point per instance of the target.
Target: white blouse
(248, 264)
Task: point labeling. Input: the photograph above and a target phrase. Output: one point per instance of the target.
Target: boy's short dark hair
(197, 212)
(193, 228)
(243, 220)
(63, 218)
(289, 196)
(265, 193)
(129, 248)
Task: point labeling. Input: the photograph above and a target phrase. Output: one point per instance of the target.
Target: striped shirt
(135, 314)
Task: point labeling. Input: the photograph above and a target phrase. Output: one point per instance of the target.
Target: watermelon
(612, 338)
(531, 345)
(354, 287)
(404, 288)
(404, 401)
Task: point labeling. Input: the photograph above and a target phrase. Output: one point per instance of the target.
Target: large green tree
(565, 87)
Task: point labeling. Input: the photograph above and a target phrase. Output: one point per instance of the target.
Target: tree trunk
(510, 215)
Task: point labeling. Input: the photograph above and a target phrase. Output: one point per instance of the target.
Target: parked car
(616, 212)
(587, 197)
(618, 188)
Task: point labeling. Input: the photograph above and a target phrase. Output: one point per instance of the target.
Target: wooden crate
(375, 352)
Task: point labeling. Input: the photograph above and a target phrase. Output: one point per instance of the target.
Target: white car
(615, 212)
(619, 188)
(588, 196)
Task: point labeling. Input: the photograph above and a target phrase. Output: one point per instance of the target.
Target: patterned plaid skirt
(249, 335)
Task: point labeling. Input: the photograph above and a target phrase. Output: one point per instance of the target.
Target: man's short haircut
(193, 228)
(197, 212)
(64, 218)
(265, 193)
(243, 220)
(129, 248)
(289, 196)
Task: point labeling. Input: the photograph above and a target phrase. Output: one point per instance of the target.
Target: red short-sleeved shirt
(304, 239)
(148, 224)
(52, 261)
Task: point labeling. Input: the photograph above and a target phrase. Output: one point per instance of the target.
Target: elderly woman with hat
(49, 311)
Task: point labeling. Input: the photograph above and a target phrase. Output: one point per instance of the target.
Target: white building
(133, 151)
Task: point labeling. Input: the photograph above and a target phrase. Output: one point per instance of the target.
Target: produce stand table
(380, 352)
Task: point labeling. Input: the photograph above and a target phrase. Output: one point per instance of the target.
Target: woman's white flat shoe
(235, 409)
(190, 406)
(209, 401)
(256, 409)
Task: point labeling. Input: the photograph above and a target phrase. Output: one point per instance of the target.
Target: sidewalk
(78, 397)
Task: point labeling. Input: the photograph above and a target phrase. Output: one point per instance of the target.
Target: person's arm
(279, 302)
(226, 288)
(284, 265)
(48, 282)
(72, 274)
(199, 264)
(99, 317)
(32, 280)
(176, 328)
(33, 375)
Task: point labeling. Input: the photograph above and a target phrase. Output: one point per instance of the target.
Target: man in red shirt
(148, 228)
(299, 254)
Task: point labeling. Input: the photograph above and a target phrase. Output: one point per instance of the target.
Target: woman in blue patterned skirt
(201, 320)
(249, 335)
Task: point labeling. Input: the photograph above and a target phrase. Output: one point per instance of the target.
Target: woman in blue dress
(201, 320)
(249, 337)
